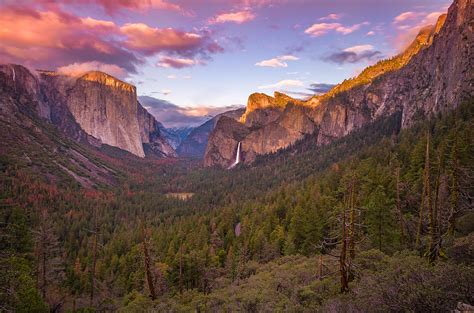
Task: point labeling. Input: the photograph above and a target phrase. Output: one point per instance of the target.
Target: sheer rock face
(434, 74)
(227, 133)
(19, 82)
(95, 108)
(106, 108)
(151, 134)
(196, 142)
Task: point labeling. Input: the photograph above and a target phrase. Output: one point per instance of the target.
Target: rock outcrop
(94, 108)
(263, 109)
(434, 74)
(107, 109)
(151, 134)
(228, 133)
(195, 144)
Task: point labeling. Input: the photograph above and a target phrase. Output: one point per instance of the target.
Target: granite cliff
(194, 145)
(94, 108)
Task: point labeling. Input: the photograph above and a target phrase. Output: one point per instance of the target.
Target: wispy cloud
(405, 16)
(283, 84)
(77, 69)
(410, 23)
(332, 16)
(239, 17)
(320, 87)
(320, 29)
(277, 62)
(112, 6)
(354, 54)
(178, 63)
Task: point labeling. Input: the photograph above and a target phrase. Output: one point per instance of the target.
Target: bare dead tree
(343, 267)
(426, 194)
(435, 238)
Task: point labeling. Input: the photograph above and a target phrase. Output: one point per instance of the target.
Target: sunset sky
(205, 53)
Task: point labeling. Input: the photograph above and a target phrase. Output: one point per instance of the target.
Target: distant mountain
(194, 145)
(176, 135)
(434, 74)
(174, 116)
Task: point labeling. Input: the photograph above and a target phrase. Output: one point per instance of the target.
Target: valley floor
(381, 220)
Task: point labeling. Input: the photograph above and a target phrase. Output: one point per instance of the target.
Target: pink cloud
(412, 25)
(112, 6)
(234, 17)
(280, 61)
(406, 16)
(332, 16)
(54, 38)
(320, 29)
(151, 40)
(170, 62)
(77, 69)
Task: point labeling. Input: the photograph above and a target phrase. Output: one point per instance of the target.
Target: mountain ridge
(429, 81)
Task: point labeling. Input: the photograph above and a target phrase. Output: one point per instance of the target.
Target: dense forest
(381, 219)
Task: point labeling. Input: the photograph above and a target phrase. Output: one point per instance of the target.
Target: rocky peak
(106, 108)
(262, 109)
(108, 80)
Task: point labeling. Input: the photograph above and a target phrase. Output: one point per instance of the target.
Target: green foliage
(404, 283)
(247, 239)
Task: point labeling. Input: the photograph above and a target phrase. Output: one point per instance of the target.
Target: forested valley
(380, 220)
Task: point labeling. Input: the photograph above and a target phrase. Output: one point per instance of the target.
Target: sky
(200, 54)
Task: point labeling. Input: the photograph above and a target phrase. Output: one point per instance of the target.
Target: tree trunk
(43, 263)
(399, 208)
(435, 244)
(352, 220)
(342, 257)
(147, 264)
(181, 269)
(454, 197)
(320, 276)
(426, 194)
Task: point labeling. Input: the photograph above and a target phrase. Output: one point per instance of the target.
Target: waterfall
(237, 157)
(13, 73)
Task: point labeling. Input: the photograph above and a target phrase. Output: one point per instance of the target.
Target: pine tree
(49, 267)
(426, 193)
(150, 279)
